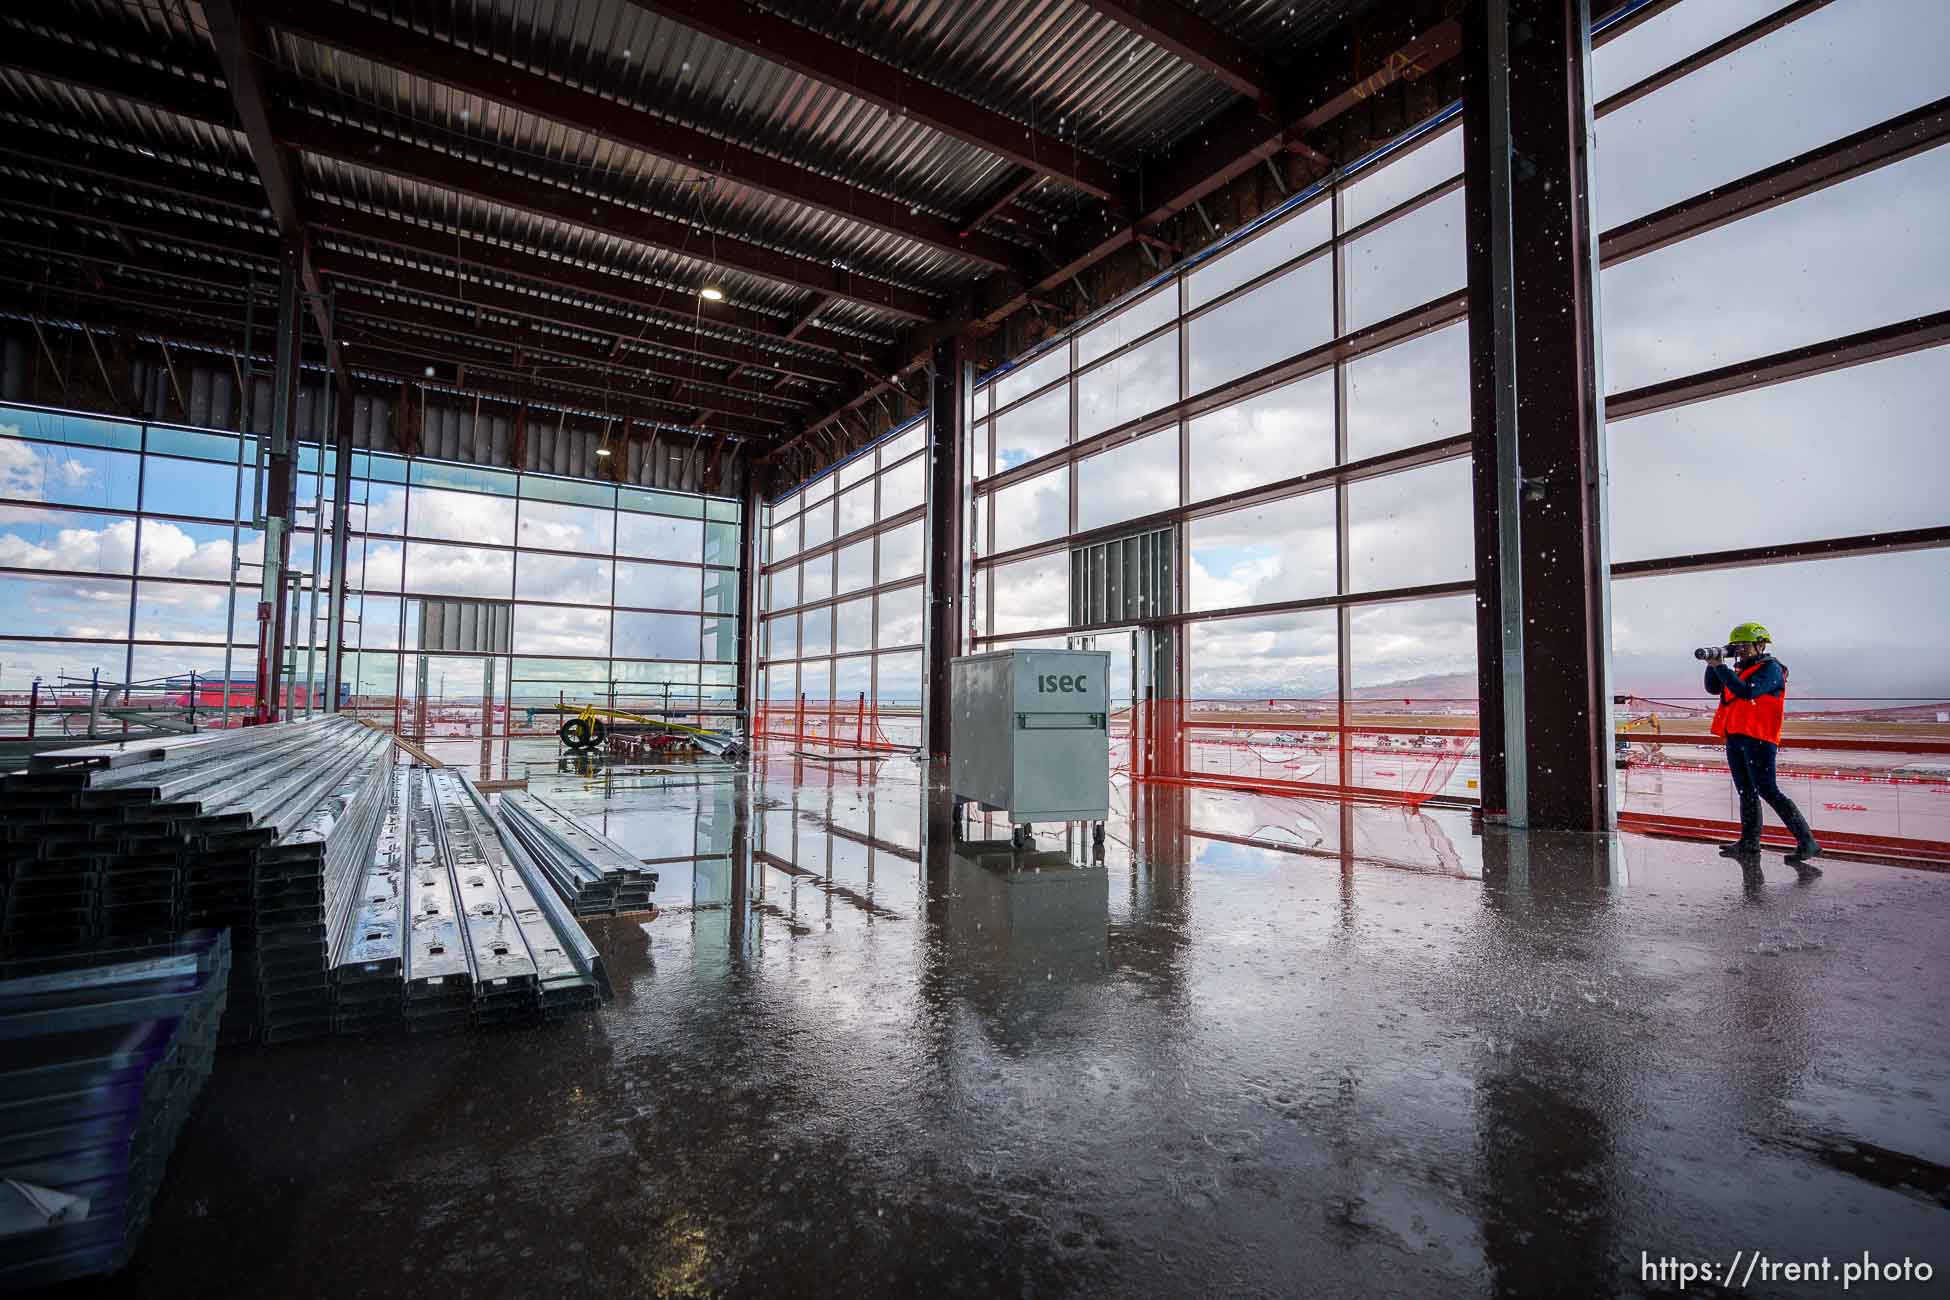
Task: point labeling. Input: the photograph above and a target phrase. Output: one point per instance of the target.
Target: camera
(1713, 651)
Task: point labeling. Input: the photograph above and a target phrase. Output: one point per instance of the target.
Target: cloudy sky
(1860, 450)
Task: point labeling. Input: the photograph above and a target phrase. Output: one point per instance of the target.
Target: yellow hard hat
(1748, 632)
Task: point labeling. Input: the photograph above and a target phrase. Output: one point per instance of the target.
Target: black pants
(1751, 761)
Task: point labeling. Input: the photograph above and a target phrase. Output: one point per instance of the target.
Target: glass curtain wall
(1294, 405)
(117, 542)
(1754, 472)
(841, 564)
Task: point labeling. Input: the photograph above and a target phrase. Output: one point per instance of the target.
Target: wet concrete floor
(1264, 1047)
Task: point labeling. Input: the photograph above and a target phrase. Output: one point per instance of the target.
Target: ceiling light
(711, 293)
(602, 451)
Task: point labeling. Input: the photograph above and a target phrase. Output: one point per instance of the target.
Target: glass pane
(1412, 528)
(1397, 179)
(901, 552)
(816, 684)
(1278, 244)
(853, 625)
(903, 445)
(372, 622)
(35, 538)
(465, 478)
(571, 579)
(656, 586)
(723, 509)
(655, 636)
(1821, 612)
(782, 635)
(554, 630)
(818, 524)
(188, 487)
(60, 475)
(1282, 433)
(903, 487)
(1034, 510)
(1661, 41)
(659, 537)
(556, 527)
(1753, 287)
(1410, 393)
(1278, 320)
(1033, 429)
(1817, 79)
(1283, 550)
(720, 639)
(899, 617)
(782, 588)
(852, 683)
(720, 542)
(721, 591)
(186, 611)
(457, 570)
(170, 666)
(1052, 365)
(816, 631)
(855, 567)
(195, 443)
(660, 503)
(1032, 594)
(384, 512)
(820, 489)
(782, 684)
(816, 579)
(1887, 474)
(1136, 383)
(783, 541)
(371, 565)
(1269, 657)
(568, 491)
(460, 516)
(856, 503)
(1129, 324)
(857, 470)
(90, 608)
(1137, 478)
(74, 430)
(22, 662)
(177, 550)
(1408, 262)
(1419, 651)
(898, 678)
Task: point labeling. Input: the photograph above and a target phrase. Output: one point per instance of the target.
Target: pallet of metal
(594, 874)
(101, 1055)
(265, 830)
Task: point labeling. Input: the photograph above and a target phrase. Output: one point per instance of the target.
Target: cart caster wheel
(1018, 837)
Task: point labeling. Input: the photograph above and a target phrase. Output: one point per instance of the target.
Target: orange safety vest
(1759, 717)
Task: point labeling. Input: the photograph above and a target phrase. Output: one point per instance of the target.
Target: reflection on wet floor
(1259, 1046)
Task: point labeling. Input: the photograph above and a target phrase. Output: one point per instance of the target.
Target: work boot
(1740, 849)
(1798, 859)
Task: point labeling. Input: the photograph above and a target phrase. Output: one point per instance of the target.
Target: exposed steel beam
(595, 356)
(779, 40)
(1192, 39)
(241, 49)
(482, 179)
(1012, 189)
(394, 45)
(470, 250)
(64, 147)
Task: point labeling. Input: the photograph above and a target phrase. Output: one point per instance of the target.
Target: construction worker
(1753, 695)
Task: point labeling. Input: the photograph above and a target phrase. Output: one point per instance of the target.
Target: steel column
(342, 412)
(749, 534)
(947, 384)
(1538, 411)
(280, 491)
